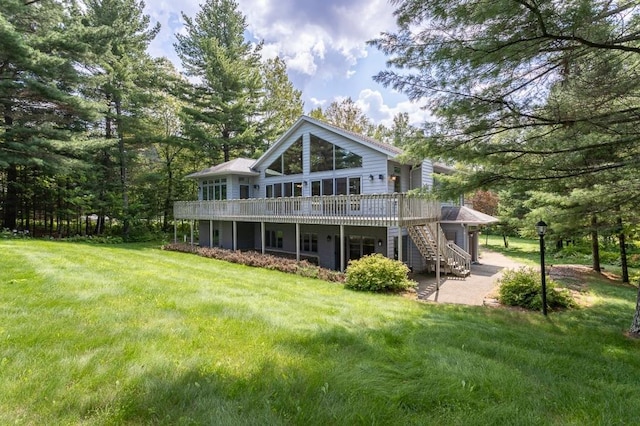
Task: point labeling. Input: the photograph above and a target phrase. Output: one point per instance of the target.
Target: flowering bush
(256, 259)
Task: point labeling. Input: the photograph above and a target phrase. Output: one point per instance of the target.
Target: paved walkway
(473, 290)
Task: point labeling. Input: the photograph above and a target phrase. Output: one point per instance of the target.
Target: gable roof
(463, 214)
(384, 148)
(239, 166)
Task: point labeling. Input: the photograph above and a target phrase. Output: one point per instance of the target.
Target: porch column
(262, 237)
(191, 227)
(175, 232)
(400, 254)
(342, 266)
(297, 242)
(211, 233)
(437, 256)
(235, 235)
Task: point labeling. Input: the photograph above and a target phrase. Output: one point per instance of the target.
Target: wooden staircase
(453, 259)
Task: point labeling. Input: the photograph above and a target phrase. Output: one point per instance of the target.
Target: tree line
(95, 132)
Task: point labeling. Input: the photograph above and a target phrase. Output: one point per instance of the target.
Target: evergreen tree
(223, 107)
(552, 87)
(41, 55)
(281, 103)
(122, 35)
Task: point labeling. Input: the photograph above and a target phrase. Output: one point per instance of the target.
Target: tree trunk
(505, 239)
(123, 172)
(595, 248)
(623, 252)
(635, 324)
(11, 200)
(168, 199)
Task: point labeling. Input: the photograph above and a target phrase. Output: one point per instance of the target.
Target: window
(346, 159)
(327, 186)
(274, 239)
(361, 246)
(325, 156)
(315, 187)
(215, 189)
(309, 242)
(343, 186)
(288, 189)
(289, 163)
(354, 186)
(244, 192)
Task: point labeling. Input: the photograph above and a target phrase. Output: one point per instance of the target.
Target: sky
(322, 42)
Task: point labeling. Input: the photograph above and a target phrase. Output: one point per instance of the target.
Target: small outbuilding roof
(463, 214)
(239, 166)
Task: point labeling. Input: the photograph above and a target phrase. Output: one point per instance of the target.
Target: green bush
(523, 288)
(378, 274)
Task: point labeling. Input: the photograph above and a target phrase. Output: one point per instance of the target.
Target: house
(329, 195)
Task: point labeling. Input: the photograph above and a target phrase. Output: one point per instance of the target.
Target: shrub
(256, 259)
(377, 273)
(523, 288)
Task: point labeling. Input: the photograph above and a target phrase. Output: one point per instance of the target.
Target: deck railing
(360, 210)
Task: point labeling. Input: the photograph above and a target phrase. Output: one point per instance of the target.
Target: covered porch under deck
(380, 210)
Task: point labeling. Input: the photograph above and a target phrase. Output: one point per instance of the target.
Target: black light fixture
(379, 243)
(381, 177)
(256, 186)
(541, 229)
(370, 177)
(328, 238)
(306, 183)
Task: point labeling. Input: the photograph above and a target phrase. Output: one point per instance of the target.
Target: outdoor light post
(541, 228)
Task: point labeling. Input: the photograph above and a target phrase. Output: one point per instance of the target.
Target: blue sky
(322, 42)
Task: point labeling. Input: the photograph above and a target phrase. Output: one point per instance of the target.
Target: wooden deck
(353, 210)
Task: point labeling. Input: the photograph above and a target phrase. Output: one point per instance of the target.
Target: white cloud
(313, 30)
(322, 42)
(318, 102)
(373, 105)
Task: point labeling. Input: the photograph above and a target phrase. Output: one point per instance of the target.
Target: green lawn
(528, 252)
(130, 334)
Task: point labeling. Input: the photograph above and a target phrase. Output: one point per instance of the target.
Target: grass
(129, 334)
(528, 252)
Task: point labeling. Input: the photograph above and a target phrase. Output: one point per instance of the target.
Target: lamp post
(541, 228)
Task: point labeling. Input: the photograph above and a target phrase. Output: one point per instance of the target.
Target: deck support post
(262, 237)
(235, 235)
(175, 232)
(342, 265)
(211, 233)
(191, 228)
(297, 242)
(437, 256)
(400, 253)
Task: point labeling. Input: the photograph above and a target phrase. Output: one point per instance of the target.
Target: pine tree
(281, 102)
(223, 106)
(42, 53)
(122, 35)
